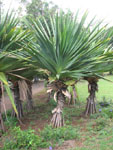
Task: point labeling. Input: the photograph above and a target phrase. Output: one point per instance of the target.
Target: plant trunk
(57, 119)
(18, 102)
(73, 96)
(1, 119)
(29, 96)
(91, 106)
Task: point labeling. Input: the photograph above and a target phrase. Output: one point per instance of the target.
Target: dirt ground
(37, 87)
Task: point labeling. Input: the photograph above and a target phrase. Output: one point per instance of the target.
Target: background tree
(39, 8)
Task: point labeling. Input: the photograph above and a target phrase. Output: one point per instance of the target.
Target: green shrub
(105, 102)
(59, 134)
(22, 140)
(106, 112)
(27, 140)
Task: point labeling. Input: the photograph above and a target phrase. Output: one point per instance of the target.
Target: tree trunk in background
(18, 102)
(29, 94)
(1, 119)
(92, 88)
(57, 119)
(73, 96)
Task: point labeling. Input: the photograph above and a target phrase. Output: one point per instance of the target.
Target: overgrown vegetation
(22, 140)
(27, 139)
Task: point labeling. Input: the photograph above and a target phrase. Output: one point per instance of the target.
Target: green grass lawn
(105, 89)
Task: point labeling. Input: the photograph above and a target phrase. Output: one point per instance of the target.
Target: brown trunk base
(90, 107)
(57, 119)
(74, 97)
(19, 110)
(92, 88)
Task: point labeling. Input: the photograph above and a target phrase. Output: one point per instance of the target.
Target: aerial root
(57, 119)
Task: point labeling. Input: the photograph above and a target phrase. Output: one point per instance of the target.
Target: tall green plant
(11, 37)
(67, 50)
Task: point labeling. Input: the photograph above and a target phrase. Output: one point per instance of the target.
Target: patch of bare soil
(34, 119)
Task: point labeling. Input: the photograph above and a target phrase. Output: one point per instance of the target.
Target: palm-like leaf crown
(11, 35)
(65, 47)
(11, 39)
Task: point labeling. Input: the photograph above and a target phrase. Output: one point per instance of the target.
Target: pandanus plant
(63, 49)
(10, 39)
(7, 64)
(100, 66)
(93, 78)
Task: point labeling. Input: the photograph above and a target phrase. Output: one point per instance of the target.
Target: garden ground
(94, 132)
